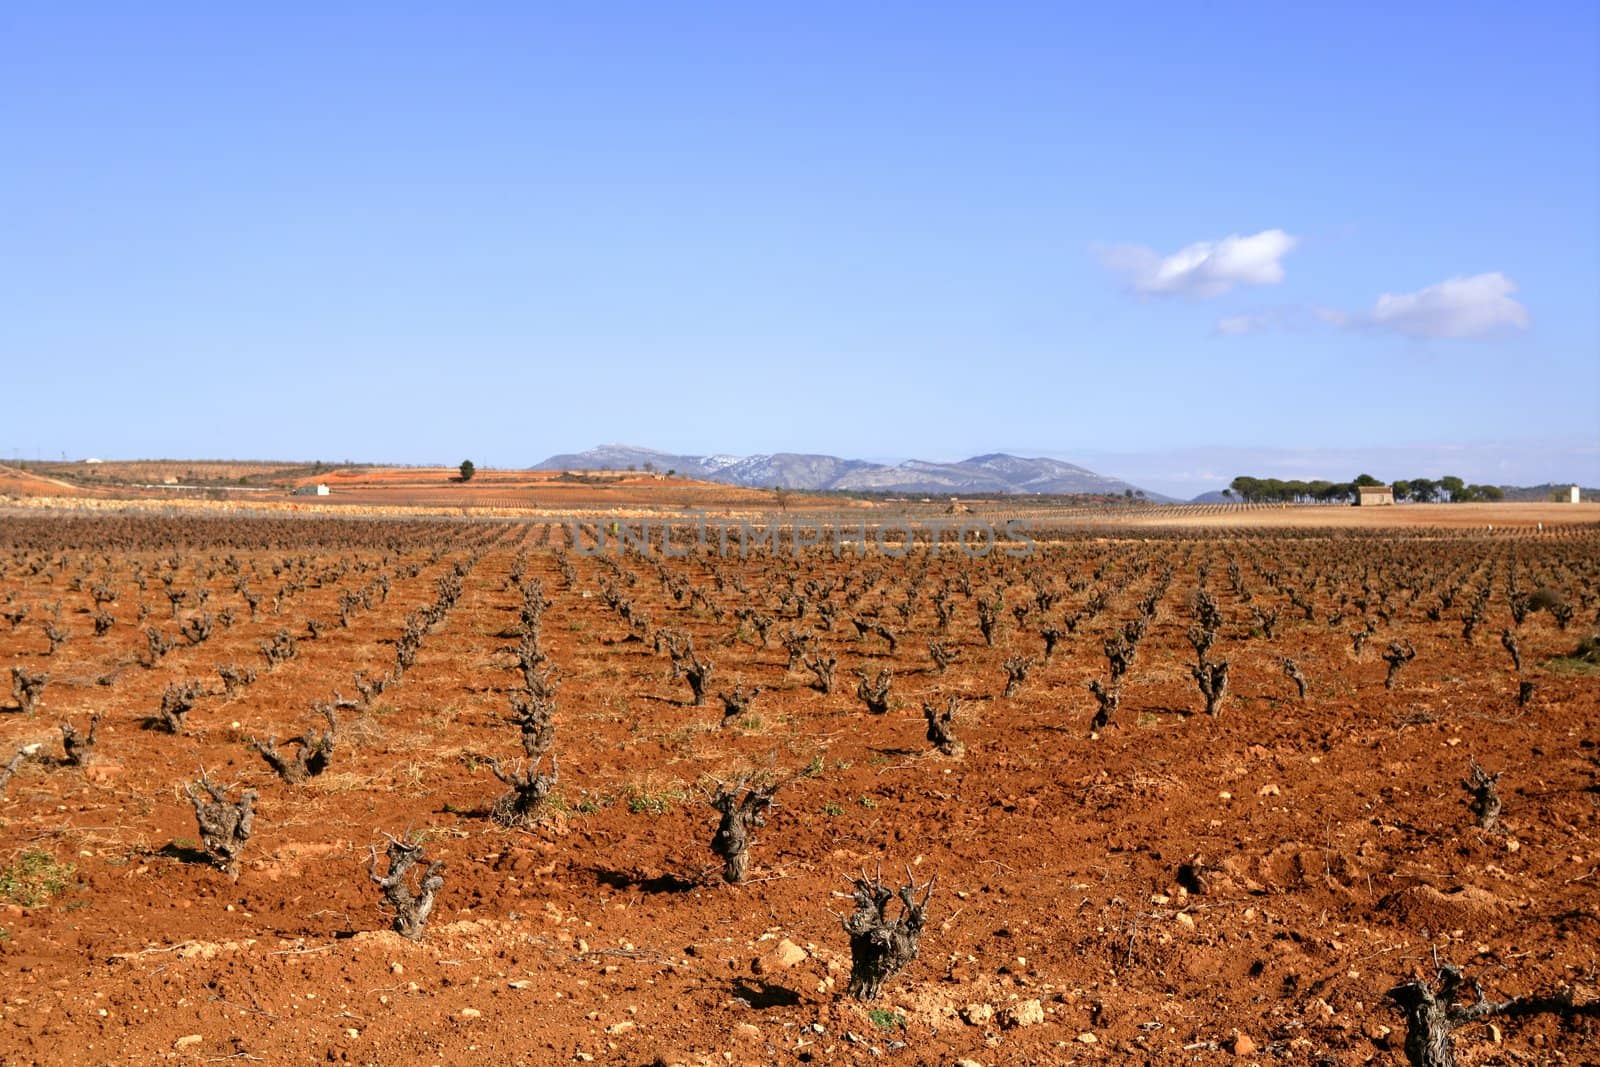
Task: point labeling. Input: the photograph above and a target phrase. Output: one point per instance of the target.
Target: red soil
(1336, 850)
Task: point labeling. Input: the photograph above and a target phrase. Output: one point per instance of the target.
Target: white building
(311, 490)
(1575, 495)
(1374, 495)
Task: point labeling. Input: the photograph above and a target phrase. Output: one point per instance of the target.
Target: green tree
(467, 470)
(1424, 490)
(1402, 489)
(1246, 487)
(1365, 479)
(1453, 485)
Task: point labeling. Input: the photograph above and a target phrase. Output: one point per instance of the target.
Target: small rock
(1185, 920)
(966, 1063)
(977, 1014)
(1268, 790)
(187, 1040)
(1242, 1045)
(471, 1013)
(784, 955)
(1088, 1038)
(1022, 1013)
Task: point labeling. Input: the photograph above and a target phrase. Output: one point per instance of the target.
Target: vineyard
(395, 790)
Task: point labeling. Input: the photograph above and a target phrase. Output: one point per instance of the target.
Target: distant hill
(992, 474)
(1535, 493)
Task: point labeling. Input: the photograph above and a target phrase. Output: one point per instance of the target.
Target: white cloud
(1458, 308)
(1237, 325)
(1205, 268)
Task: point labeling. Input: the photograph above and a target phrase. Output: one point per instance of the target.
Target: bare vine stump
(1108, 700)
(77, 745)
(743, 807)
(823, 666)
(26, 687)
(880, 947)
(1213, 681)
(11, 766)
(1291, 671)
(737, 703)
(311, 754)
(1486, 804)
(177, 700)
(411, 907)
(224, 824)
(875, 693)
(941, 733)
(1017, 668)
(524, 802)
(1397, 656)
(687, 664)
(1509, 641)
(1433, 1015)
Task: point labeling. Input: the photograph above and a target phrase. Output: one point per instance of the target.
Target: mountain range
(996, 473)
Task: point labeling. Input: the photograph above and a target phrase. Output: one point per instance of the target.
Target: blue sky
(1163, 240)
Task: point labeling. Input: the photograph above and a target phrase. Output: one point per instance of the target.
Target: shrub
(33, 878)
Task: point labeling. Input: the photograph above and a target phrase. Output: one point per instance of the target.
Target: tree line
(1448, 488)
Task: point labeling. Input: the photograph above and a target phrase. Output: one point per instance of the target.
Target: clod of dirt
(781, 957)
(1021, 1014)
(1424, 907)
